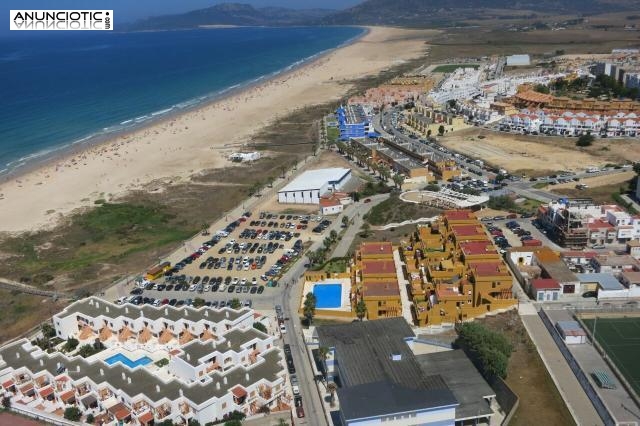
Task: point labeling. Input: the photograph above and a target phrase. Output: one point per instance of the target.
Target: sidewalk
(572, 393)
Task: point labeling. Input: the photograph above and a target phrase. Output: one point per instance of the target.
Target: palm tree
(323, 354)
(309, 308)
(283, 170)
(361, 309)
(332, 388)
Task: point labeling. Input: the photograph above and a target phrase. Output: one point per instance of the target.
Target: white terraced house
(573, 123)
(158, 364)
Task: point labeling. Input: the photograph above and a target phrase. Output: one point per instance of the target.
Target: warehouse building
(313, 184)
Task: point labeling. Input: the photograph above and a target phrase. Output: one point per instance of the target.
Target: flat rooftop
(605, 281)
(316, 179)
(375, 267)
(470, 248)
(380, 288)
(376, 249)
(464, 380)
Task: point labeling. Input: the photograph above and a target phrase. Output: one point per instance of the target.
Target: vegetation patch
(394, 210)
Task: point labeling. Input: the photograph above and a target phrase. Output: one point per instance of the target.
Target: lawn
(332, 134)
(452, 67)
(335, 265)
(620, 339)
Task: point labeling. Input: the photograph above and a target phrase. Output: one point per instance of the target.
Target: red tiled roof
(145, 418)
(545, 284)
(466, 230)
(487, 268)
(459, 214)
(477, 247)
(68, 395)
(599, 224)
(373, 267)
(380, 288)
(376, 248)
(329, 202)
(578, 253)
(239, 392)
(46, 391)
(120, 411)
(8, 384)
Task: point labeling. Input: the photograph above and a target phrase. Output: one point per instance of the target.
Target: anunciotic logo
(61, 20)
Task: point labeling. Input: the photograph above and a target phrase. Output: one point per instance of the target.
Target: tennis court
(620, 338)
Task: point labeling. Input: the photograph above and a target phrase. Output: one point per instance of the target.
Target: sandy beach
(201, 139)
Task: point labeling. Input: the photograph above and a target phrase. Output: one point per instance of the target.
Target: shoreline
(46, 157)
(177, 147)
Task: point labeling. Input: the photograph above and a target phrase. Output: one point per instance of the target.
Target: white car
(207, 287)
(235, 281)
(222, 287)
(254, 281)
(244, 281)
(193, 287)
(283, 329)
(157, 303)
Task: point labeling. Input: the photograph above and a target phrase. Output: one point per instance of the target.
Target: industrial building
(311, 185)
(518, 60)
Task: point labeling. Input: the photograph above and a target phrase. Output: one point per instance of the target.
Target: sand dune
(181, 146)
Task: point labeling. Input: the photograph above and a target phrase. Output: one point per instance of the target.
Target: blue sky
(128, 10)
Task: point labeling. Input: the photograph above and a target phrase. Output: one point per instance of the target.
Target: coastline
(178, 146)
(43, 158)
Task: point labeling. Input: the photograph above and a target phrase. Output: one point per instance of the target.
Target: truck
(531, 243)
(592, 169)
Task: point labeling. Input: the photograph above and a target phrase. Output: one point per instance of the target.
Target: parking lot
(243, 261)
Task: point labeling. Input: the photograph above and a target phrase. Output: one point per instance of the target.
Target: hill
(416, 13)
(230, 14)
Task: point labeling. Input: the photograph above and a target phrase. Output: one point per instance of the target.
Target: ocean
(57, 91)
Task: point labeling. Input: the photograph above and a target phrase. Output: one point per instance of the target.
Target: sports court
(620, 338)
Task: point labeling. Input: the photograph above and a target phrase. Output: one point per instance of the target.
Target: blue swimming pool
(126, 361)
(328, 295)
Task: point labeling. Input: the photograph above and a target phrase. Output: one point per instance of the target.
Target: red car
(300, 412)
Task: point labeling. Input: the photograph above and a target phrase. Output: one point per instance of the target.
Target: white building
(518, 60)
(216, 363)
(571, 332)
(311, 185)
(244, 157)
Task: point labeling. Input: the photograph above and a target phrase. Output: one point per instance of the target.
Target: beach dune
(181, 146)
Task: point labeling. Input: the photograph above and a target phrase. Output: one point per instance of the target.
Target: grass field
(453, 67)
(620, 338)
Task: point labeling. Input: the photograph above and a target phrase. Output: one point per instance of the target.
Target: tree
(365, 230)
(234, 303)
(90, 419)
(282, 422)
(429, 133)
(6, 402)
(331, 387)
(398, 180)
(260, 327)
(636, 168)
(198, 302)
(333, 235)
(71, 344)
(205, 228)
(345, 221)
(361, 309)
(47, 330)
(193, 422)
(323, 354)
(489, 350)
(432, 187)
(86, 351)
(309, 308)
(585, 140)
(167, 422)
(72, 413)
(441, 130)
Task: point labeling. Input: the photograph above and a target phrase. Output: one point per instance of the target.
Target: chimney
(106, 309)
(101, 372)
(217, 385)
(186, 312)
(157, 388)
(97, 305)
(91, 302)
(18, 355)
(229, 343)
(224, 380)
(227, 314)
(41, 361)
(188, 357)
(126, 309)
(181, 393)
(78, 368)
(129, 379)
(206, 313)
(166, 311)
(246, 376)
(123, 376)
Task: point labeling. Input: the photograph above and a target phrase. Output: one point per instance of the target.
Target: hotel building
(191, 364)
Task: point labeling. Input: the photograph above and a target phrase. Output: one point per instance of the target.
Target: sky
(131, 10)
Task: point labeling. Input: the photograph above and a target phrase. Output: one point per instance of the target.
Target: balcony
(163, 411)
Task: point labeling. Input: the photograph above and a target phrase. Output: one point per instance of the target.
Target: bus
(157, 271)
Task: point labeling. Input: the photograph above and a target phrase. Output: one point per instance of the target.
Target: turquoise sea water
(60, 90)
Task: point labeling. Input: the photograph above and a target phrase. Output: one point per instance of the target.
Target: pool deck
(345, 304)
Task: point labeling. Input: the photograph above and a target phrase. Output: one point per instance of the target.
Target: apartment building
(576, 223)
(375, 280)
(158, 364)
(456, 272)
(354, 121)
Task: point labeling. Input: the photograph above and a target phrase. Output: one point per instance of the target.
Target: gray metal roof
(234, 340)
(143, 381)
(464, 380)
(605, 281)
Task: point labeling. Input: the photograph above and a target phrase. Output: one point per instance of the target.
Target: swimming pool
(126, 361)
(328, 295)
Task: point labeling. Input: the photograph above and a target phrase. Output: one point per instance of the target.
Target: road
(384, 124)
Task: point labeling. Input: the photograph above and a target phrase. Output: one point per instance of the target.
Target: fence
(579, 373)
